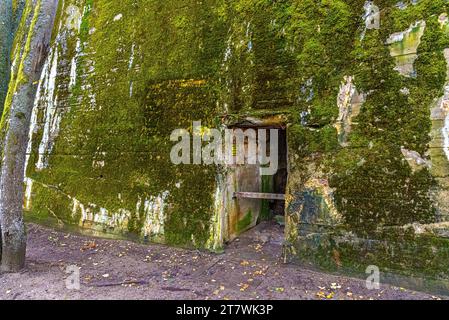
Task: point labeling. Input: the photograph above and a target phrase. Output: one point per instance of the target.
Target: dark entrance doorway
(258, 197)
(279, 180)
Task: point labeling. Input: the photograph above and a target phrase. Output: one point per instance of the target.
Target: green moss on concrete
(244, 223)
(374, 187)
(419, 259)
(267, 187)
(148, 67)
(172, 83)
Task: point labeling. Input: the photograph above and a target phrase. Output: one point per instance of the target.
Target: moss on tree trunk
(35, 30)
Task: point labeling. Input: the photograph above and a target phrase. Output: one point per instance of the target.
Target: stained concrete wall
(366, 114)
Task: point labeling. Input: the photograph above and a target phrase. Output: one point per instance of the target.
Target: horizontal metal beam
(259, 195)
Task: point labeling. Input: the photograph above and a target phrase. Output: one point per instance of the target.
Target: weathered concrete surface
(250, 268)
(367, 160)
(404, 47)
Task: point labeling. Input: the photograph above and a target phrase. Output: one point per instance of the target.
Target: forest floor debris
(116, 269)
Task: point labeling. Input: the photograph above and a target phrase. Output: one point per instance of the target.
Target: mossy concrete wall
(377, 195)
(120, 77)
(366, 111)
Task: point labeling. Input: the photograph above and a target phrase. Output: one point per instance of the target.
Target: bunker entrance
(258, 189)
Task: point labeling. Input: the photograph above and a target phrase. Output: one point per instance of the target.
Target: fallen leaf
(335, 286)
(243, 286)
(89, 245)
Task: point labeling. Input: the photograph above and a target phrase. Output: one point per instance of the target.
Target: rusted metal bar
(259, 195)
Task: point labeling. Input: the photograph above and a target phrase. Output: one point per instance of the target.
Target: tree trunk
(15, 127)
(10, 16)
(6, 22)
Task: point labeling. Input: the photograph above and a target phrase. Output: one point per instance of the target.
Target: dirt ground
(250, 268)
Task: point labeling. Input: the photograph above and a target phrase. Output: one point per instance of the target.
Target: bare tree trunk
(15, 126)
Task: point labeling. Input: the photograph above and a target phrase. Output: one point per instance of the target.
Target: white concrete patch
(404, 47)
(371, 17)
(215, 241)
(130, 66)
(441, 110)
(228, 51)
(76, 205)
(98, 164)
(445, 107)
(52, 116)
(418, 26)
(347, 90)
(153, 209)
(349, 102)
(33, 120)
(74, 18)
(131, 57)
(443, 20)
(415, 160)
(28, 190)
(154, 215)
(91, 213)
(73, 68)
